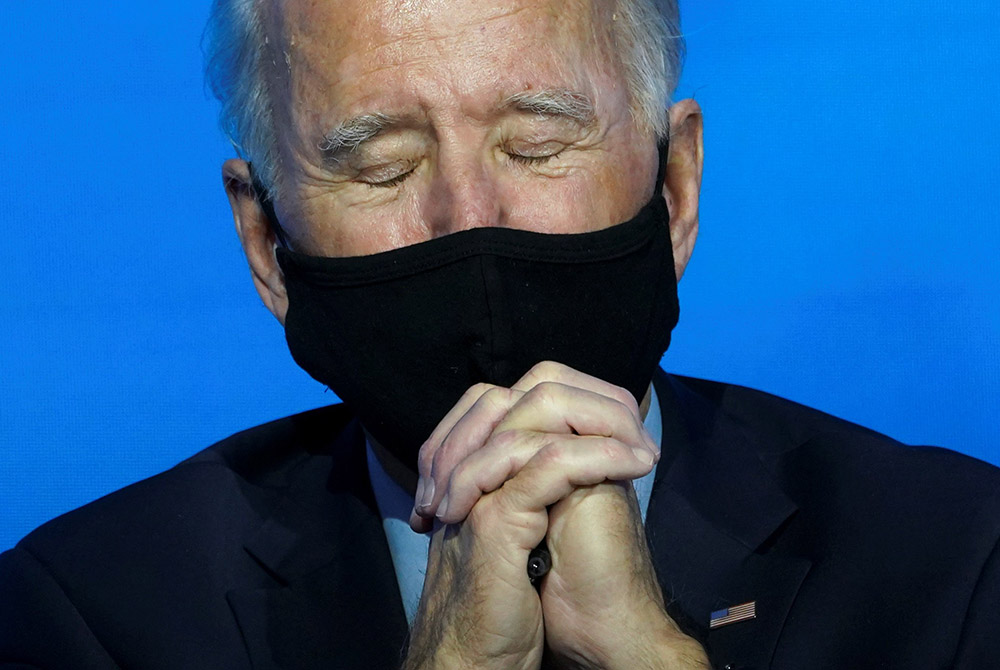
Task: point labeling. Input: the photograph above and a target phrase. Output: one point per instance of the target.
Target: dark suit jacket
(266, 550)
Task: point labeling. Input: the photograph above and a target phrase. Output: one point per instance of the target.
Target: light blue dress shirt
(409, 549)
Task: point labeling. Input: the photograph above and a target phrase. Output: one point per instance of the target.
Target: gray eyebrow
(346, 137)
(560, 102)
(349, 135)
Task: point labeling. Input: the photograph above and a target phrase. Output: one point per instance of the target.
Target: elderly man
(470, 217)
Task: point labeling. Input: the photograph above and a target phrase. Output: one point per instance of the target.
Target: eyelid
(528, 149)
(530, 154)
(389, 183)
(530, 160)
(393, 178)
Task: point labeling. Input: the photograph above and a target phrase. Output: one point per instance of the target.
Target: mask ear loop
(663, 150)
(266, 203)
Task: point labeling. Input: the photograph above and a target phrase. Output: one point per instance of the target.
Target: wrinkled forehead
(345, 25)
(321, 45)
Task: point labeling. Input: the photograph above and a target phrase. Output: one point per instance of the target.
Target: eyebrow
(557, 102)
(348, 136)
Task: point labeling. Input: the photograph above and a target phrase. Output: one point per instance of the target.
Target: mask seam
(490, 316)
(320, 275)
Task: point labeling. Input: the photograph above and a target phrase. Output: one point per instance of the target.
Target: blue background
(847, 259)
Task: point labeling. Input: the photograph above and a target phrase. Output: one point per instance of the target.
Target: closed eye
(530, 160)
(389, 183)
(389, 174)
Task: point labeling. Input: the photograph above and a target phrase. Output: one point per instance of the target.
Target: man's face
(404, 120)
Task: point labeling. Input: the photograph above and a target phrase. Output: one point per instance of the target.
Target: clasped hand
(550, 458)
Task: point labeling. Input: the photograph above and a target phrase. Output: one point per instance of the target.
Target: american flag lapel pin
(733, 614)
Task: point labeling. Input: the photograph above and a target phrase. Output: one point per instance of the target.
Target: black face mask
(401, 335)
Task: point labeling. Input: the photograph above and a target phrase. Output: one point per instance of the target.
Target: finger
(548, 408)
(559, 408)
(551, 371)
(468, 434)
(594, 459)
(565, 464)
(428, 448)
(445, 425)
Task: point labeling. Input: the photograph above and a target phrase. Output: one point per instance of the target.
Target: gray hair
(646, 33)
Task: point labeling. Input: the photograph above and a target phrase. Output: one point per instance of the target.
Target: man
(470, 218)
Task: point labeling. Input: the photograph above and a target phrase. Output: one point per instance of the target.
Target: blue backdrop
(847, 259)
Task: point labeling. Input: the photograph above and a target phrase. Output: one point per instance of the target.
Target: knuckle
(621, 411)
(440, 463)
(612, 450)
(545, 393)
(506, 439)
(626, 398)
(496, 396)
(483, 515)
(425, 457)
(628, 414)
(479, 389)
(548, 369)
(458, 479)
(554, 452)
(540, 372)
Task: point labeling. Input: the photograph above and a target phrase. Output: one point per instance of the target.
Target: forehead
(349, 55)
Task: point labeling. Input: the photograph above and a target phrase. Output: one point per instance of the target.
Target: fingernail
(420, 492)
(427, 496)
(644, 455)
(654, 447)
(443, 507)
(649, 439)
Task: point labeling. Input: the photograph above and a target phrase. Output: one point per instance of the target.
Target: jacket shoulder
(779, 427)
(234, 473)
(163, 551)
(858, 491)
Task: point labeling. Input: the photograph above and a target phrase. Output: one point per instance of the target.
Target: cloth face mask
(401, 335)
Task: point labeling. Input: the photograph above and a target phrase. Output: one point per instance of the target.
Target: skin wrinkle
(450, 86)
(350, 135)
(462, 584)
(464, 179)
(558, 104)
(570, 104)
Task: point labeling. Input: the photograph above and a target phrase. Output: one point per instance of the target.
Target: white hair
(235, 50)
(646, 34)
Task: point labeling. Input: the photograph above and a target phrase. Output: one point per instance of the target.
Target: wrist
(443, 661)
(660, 646)
(438, 652)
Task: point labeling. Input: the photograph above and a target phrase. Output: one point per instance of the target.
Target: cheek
(592, 200)
(556, 206)
(629, 185)
(603, 191)
(329, 226)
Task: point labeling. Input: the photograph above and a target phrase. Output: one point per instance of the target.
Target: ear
(682, 181)
(256, 236)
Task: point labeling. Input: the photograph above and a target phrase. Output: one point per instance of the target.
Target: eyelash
(517, 158)
(389, 183)
(531, 160)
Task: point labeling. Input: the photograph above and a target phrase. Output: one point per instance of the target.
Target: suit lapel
(712, 508)
(334, 598)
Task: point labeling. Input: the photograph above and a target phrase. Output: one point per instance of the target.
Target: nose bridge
(465, 193)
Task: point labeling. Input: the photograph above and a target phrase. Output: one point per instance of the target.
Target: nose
(463, 195)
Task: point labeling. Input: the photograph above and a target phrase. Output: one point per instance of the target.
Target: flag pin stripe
(733, 614)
